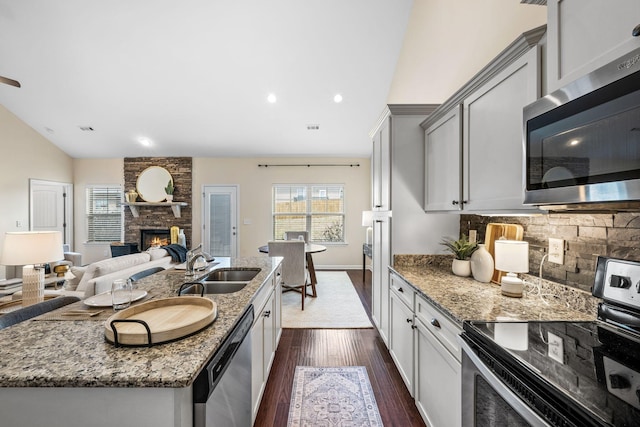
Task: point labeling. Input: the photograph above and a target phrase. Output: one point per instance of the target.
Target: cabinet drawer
(403, 290)
(439, 325)
(260, 298)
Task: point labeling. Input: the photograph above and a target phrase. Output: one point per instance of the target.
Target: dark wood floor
(338, 347)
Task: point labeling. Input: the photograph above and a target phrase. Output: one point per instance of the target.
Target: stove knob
(619, 281)
(618, 381)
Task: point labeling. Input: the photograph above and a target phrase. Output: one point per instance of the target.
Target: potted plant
(169, 190)
(462, 249)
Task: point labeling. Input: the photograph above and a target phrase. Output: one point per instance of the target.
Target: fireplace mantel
(175, 207)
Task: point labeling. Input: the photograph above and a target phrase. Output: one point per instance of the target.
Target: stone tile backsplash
(586, 236)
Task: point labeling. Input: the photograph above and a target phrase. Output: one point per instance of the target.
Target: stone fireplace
(158, 216)
(154, 237)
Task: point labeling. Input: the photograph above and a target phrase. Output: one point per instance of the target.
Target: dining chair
(26, 313)
(295, 235)
(294, 272)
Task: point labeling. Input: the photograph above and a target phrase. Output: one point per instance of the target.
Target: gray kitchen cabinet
(265, 335)
(473, 141)
(400, 223)
(401, 327)
(443, 160)
(423, 345)
(437, 366)
(584, 35)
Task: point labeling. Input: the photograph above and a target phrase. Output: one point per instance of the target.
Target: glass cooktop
(591, 366)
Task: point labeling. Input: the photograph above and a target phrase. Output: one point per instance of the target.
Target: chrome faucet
(192, 256)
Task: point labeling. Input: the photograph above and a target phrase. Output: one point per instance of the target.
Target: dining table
(309, 249)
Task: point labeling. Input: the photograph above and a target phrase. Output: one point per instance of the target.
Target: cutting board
(496, 231)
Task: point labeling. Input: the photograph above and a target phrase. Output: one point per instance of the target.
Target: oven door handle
(496, 384)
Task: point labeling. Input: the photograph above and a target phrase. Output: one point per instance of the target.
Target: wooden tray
(496, 231)
(166, 319)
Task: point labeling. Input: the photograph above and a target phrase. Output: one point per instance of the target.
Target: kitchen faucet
(192, 257)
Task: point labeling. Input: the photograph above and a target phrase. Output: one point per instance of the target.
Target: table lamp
(512, 256)
(31, 249)
(367, 221)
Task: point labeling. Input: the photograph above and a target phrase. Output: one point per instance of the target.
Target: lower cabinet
(423, 344)
(265, 335)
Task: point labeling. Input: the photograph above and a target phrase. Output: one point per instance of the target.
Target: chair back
(144, 273)
(293, 263)
(294, 235)
(26, 313)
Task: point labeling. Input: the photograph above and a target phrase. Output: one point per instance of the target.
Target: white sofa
(97, 277)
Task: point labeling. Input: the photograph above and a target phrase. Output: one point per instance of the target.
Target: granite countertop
(463, 298)
(74, 353)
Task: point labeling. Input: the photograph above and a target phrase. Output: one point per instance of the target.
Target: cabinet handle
(400, 290)
(454, 202)
(435, 323)
(414, 327)
(267, 313)
(464, 202)
(377, 206)
(636, 31)
(409, 320)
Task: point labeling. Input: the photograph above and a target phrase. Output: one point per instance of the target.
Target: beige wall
(447, 42)
(254, 196)
(25, 155)
(92, 172)
(255, 199)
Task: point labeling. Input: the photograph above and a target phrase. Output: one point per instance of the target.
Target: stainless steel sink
(221, 281)
(231, 275)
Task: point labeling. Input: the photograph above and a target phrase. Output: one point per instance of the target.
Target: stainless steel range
(559, 373)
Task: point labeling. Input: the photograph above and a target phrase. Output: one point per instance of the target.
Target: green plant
(461, 248)
(169, 188)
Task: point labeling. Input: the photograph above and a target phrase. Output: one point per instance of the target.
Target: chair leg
(304, 294)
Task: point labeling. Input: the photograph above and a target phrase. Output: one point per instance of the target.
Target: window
(104, 214)
(318, 209)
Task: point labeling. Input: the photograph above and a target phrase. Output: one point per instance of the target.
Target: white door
(220, 222)
(51, 207)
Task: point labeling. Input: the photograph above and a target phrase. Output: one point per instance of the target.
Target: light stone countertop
(74, 353)
(463, 298)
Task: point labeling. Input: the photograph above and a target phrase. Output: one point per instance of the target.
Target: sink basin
(221, 281)
(231, 275)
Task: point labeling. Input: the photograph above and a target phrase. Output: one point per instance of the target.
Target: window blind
(104, 214)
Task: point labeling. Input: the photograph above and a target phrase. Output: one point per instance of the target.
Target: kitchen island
(64, 372)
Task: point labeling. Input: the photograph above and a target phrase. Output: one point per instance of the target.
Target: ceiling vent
(86, 128)
(313, 127)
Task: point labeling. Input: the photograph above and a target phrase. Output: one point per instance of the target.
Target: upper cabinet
(381, 167)
(473, 142)
(584, 35)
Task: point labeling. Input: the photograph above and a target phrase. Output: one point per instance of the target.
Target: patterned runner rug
(333, 397)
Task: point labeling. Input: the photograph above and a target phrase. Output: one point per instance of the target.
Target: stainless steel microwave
(582, 142)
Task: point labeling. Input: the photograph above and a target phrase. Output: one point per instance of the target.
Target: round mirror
(152, 182)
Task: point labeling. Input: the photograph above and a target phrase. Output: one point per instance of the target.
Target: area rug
(336, 306)
(332, 397)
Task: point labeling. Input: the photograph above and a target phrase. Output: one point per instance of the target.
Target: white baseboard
(339, 267)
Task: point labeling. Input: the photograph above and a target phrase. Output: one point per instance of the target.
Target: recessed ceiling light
(272, 98)
(144, 141)
(337, 99)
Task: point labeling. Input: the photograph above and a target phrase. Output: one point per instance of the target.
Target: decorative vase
(482, 264)
(169, 197)
(132, 196)
(461, 267)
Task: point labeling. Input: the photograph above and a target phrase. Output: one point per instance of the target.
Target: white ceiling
(194, 75)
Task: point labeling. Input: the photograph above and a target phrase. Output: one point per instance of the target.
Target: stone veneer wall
(586, 236)
(152, 217)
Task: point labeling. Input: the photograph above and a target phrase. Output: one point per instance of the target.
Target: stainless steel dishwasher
(222, 391)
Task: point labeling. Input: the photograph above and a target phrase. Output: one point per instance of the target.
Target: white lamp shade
(367, 218)
(512, 256)
(31, 247)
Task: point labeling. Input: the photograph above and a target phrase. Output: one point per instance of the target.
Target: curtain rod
(312, 164)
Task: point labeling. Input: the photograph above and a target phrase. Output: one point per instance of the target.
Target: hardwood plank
(338, 347)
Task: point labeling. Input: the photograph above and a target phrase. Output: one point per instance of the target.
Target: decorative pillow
(157, 253)
(77, 272)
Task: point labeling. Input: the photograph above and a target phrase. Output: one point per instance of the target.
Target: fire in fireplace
(154, 237)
